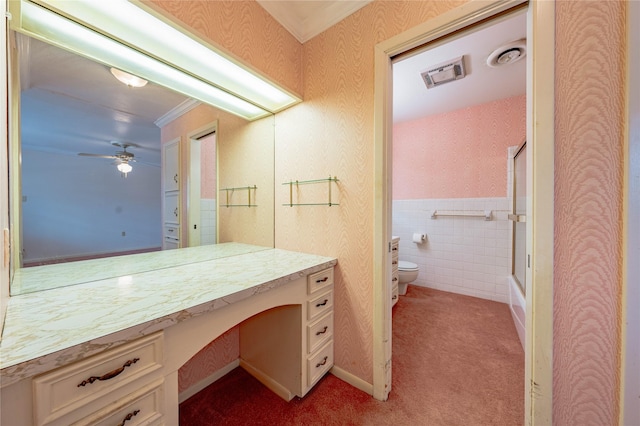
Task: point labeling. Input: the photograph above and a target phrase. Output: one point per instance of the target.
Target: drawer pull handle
(175, 178)
(394, 279)
(324, 330)
(394, 262)
(322, 304)
(128, 417)
(109, 375)
(394, 297)
(322, 280)
(175, 212)
(323, 362)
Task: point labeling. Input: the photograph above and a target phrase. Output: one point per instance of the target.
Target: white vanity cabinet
(274, 341)
(124, 369)
(124, 383)
(394, 271)
(319, 331)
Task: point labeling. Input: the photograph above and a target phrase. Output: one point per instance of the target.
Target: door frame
(194, 179)
(631, 281)
(540, 175)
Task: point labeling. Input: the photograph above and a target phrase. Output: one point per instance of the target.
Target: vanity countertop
(47, 329)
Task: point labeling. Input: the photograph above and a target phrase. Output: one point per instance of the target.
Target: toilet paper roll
(419, 238)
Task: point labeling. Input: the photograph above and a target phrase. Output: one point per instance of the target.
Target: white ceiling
(305, 19)
(72, 104)
(412, 100)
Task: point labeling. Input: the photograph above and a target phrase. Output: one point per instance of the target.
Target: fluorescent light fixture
(129, 21)
(128, 79)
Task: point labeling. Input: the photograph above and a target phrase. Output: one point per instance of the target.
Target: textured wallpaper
(458, 154)
(590, 84)
(245, 158)
(216, 355)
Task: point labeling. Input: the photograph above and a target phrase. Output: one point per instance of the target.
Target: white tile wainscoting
(208, 219)
(464, 255)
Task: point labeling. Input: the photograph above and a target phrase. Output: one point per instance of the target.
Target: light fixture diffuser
(128, 79)
(124, 167)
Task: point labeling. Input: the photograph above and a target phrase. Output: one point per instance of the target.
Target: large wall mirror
(76, 201)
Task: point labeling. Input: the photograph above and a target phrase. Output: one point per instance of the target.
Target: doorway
(202, 186)
(540, 48)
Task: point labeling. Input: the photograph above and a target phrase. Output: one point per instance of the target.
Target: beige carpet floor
(456, 361)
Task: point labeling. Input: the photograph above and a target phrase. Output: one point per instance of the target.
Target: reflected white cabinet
(171, 194)
(171, 166)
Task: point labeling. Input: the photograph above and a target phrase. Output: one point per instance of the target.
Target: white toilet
(407, 273)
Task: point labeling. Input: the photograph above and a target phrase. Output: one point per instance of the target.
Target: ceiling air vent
(444, 73)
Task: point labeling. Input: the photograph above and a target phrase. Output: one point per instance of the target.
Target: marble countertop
(46, 329)
(39, 278)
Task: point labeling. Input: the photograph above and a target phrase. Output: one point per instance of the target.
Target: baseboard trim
(354, 381)
(263, 378)
(194, 389)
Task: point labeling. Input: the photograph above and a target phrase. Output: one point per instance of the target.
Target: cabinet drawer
(145, 406)
(394, 252)
(66, 389)
(394, 295)
(319, 332)
(317, 306)
(172, 231)
(171, 243)
(319, 280)
(319, 364)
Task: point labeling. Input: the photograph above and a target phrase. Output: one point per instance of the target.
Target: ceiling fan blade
(84, 154)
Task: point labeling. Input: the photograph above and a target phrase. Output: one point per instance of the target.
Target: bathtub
(517, 308)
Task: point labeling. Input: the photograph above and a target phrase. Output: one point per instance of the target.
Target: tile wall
(468, 256)
(208, 221)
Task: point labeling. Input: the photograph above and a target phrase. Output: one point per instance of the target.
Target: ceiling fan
(122, 158)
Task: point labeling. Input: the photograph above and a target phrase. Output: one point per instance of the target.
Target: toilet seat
(407, 266)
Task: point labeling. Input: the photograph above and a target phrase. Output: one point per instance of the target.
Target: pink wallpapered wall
(590, 44)
(458, 154)
(213, 357)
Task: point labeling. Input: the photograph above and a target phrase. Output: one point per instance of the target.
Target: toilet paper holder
(419, 238)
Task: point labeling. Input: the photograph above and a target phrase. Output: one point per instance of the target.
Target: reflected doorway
(202, 221)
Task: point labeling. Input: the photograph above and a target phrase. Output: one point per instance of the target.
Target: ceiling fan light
(128, 79)
(125, 168)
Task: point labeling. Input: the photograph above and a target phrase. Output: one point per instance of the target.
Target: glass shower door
(519, 218)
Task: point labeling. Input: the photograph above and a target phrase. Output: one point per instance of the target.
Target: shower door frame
(516, 218)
